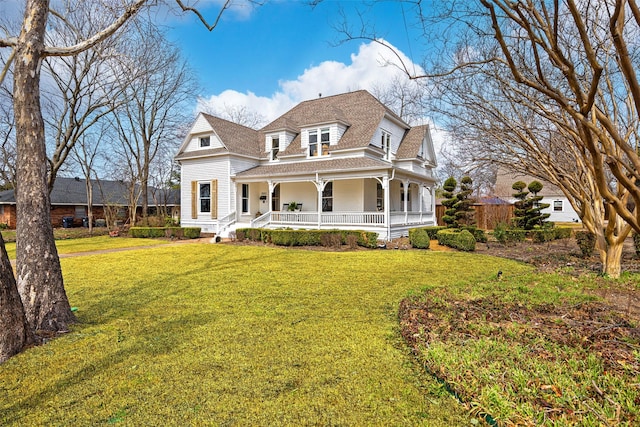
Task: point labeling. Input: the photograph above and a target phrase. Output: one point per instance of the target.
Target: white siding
(397, 133)
(348, 195)
(300, 192)
(204, 170)
(194, 143)
(568, 214)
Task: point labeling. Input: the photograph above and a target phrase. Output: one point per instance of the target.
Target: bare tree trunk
(39, 276)
(613, 259)
(15, 333)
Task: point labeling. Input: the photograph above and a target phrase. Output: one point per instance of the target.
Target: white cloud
(371, 67)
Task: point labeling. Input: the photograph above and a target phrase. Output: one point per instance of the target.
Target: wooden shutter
(194, 199)
(214, 199)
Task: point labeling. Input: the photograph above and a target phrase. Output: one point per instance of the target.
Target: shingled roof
(295, 168)
(72, 191)
(359, 110)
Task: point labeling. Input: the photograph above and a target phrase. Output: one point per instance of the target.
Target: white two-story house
(338, 162)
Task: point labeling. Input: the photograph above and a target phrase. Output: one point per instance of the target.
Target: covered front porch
(388, 205)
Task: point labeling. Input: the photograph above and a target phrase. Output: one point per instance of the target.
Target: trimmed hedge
(462, 240)
(509, 235)
(636, 243)
(308, 237)
(432, 231)
(542, 235)
(419, 238)
(477, 233)
(175, 232)
(563, 232)
(586, 241)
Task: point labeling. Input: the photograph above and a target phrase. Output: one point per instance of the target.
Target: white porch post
(270, 195)
(433, 206)
(320, 187)
(406, 199)
(387, 212)
(421, 199)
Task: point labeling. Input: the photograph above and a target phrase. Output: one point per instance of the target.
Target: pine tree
(450, 199)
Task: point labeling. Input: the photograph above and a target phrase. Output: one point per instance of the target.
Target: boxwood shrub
(586, 241)
(636, 243)
(419, 238)
(563, 232)
(432, 231)
(542, 235)
(176, 232)
(462, 240)
(477, 233)
(289, 237)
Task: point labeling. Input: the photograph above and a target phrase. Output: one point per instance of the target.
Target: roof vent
(77, 179)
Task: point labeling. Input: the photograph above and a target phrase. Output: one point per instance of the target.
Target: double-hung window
(205, 197)
(275, 147)
(245, 198)
(321, 147)
(557, 206)
(327, 197)
(385, 143)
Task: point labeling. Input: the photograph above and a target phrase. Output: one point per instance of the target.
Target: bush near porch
(309, 237)
(168, 232)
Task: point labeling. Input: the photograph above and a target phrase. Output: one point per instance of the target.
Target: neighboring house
(69, 199)
(560, 210)
(338, 162)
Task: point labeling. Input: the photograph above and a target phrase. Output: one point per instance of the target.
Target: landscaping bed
(559, 348)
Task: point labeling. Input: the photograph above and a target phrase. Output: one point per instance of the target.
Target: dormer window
(321, 147)
(385, 143)
(205, 141)
(275, 147)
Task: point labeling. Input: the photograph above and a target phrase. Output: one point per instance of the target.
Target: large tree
(149, 110)
(39, 276)
(547, 87)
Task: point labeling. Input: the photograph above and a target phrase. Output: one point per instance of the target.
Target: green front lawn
(92, 244)
(201, 334)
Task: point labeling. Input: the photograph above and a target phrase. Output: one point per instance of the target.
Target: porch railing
(225, 222)
(310, 219)
(402, 218)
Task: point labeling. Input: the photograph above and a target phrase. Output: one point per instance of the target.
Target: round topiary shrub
(419, 238)
(466, 241)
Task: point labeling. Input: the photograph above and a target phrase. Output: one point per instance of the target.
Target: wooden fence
(486, 216)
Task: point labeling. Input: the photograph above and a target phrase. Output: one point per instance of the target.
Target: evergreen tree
(450, 199)
(534, 217)
(521, 205)
(464, 212)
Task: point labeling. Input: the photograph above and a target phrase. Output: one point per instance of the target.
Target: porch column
(407, 191)
(387, 198)
(271, 186)
(421, 199)
(320, 187)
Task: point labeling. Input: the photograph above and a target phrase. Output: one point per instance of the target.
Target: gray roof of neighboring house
(73, 191)
(505, 179)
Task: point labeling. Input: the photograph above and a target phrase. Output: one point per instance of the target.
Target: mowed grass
(92, 244)
(203, 334)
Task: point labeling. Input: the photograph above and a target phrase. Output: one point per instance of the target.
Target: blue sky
(271, 57)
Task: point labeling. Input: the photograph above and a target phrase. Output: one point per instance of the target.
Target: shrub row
(175, 232)
(462, 240)
(328, 238)
(586, 241)
(636, 243)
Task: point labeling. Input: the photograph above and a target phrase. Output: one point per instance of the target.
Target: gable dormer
(318, 140)
(276, 142)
